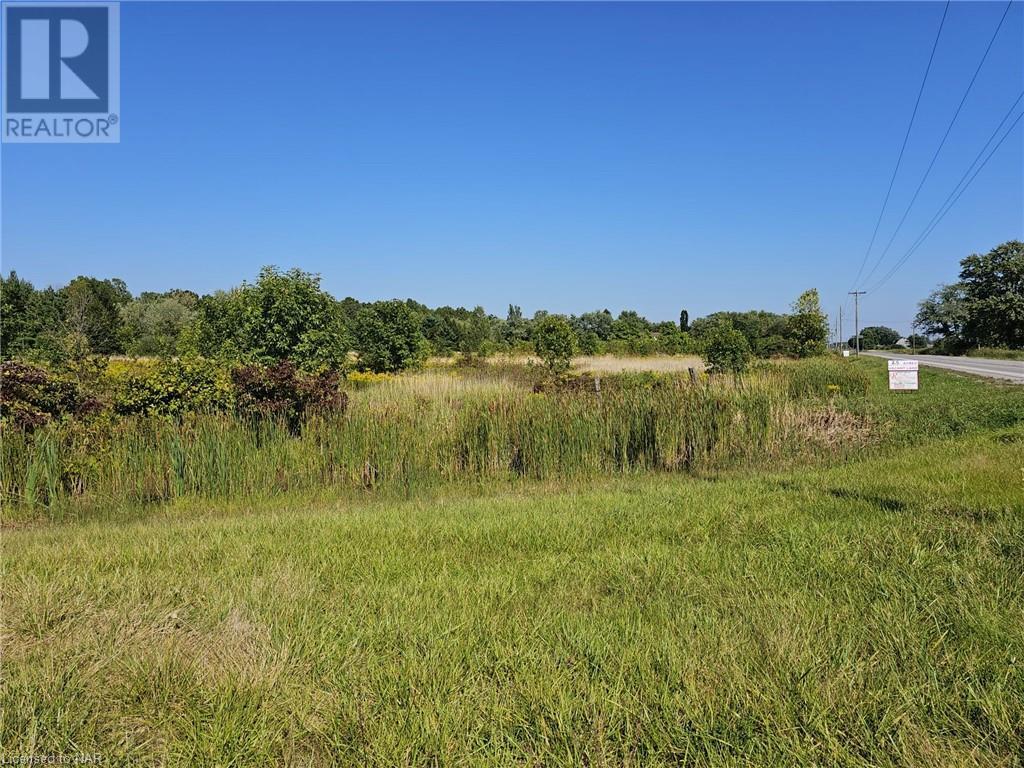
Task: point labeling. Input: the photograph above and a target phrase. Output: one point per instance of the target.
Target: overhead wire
(903, 147)
(951, 201)
(942, 143)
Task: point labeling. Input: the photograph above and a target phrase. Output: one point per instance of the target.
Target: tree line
(287, 315)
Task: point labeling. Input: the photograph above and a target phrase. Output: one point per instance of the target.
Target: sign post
(903, 375)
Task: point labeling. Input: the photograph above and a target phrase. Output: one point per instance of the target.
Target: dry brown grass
(829, 427)
(657, 363)
(615, 364)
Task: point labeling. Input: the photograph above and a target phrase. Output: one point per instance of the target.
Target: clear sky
(560, 156)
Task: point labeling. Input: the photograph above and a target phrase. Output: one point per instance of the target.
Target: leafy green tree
(589, 343)
(475, 333)
(188, 299)
(16, 326)
(808, 325)
(767, 333)
(944, 312)
(282, 316)
(153, 323)
(443, 329)
(876, 337)
(597, 323)
(92, 310)
(684, 320)
(993, 286)
(388, 337)
(985, 308)
(726, 349)
(630, 326)
(554, 341)
(670, 340)
(288, 316)
(516, 328)
(215, 330)
(48, 340)
(350, 309)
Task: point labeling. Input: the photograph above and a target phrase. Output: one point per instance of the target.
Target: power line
(903, 147)
(942, 143)
(942, 212)
(939, 212)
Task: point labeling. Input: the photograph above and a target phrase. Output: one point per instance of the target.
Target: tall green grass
(863, 614)
(997, 353)
(427, 429)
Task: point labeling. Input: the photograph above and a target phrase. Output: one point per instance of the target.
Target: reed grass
(414, 431)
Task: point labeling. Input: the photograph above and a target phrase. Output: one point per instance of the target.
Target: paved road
(1011, 370)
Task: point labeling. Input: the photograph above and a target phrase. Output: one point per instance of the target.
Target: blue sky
(559, 156)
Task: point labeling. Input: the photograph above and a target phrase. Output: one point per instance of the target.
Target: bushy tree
(282, 316)
(287, 316)
(808, 325)
(944, 312)
(767, 333)
(516, 328)
(876, 337)
(726, 349)
(48, 339)
(985, 308)
(282, 391)
(31, 396)
(388, 337)
(670, 340)
(457, 329)
(684, 321)
(443, 329)
(589, 343)
(993, 286)
(630, 326)
(349, 308)
(554, 342)
(92, 309)
(54, 326)
(215, 330)
(475, 334)
(599, 324)
(152, 324)
(16, 327)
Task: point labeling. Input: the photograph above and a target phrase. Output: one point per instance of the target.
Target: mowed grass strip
(864, 615)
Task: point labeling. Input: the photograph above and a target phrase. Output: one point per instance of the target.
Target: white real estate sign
(902, 375)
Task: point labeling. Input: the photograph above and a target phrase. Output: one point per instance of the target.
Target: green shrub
(172, 388)
(30, 395)
(554, 342)
(388, 338)
(726, 350)
(281, 391)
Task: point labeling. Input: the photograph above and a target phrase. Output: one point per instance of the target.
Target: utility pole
(840, 327)
(856, 316)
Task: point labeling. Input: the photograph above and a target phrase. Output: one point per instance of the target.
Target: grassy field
(997, 354)
(863, 612)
